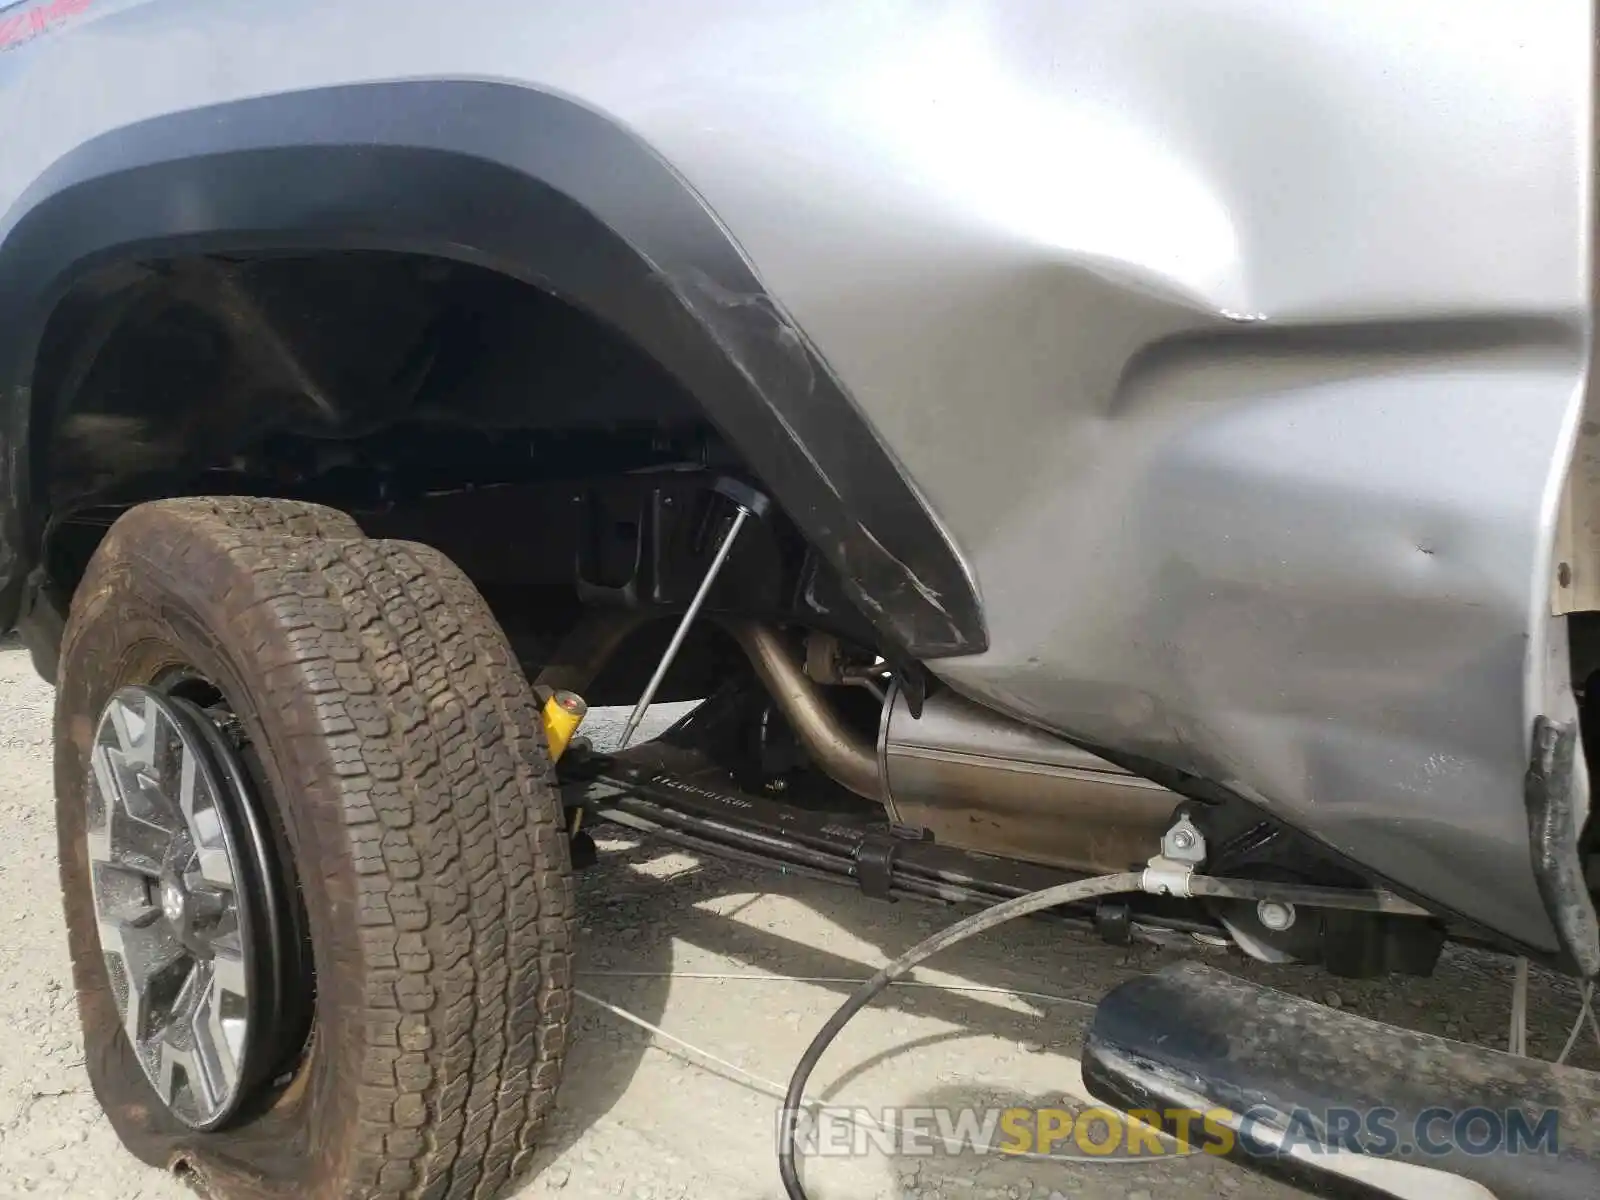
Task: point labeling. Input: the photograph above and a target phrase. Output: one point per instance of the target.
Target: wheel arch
(525, 183)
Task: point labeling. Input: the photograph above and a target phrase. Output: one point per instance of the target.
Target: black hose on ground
(980, 922)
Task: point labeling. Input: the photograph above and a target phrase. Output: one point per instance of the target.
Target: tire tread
(408, 707)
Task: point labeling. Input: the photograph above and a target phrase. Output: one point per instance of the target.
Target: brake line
(968, 927)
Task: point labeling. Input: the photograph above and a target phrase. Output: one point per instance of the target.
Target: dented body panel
(1230, 354)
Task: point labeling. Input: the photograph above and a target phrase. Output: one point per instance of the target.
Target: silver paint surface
(1239, 345)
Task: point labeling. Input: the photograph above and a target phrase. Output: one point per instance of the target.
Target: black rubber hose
(1009, 910)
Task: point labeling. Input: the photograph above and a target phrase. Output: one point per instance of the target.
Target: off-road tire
(400, 747)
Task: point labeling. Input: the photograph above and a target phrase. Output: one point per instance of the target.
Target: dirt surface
(646, 1117)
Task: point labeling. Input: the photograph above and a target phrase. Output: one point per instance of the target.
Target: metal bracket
(1165, 877)
(752, 500)
(1184, 842)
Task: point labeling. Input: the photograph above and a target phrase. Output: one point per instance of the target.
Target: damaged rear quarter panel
(1240, 346)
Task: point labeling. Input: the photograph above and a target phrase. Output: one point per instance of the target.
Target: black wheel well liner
(522, 182)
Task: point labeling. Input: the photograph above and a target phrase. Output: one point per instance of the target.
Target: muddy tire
(395, 749)
(285, 518)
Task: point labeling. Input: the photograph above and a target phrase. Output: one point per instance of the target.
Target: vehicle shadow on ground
(641, 923)
(645, 926)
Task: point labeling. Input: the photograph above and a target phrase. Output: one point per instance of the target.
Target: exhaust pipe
(974, 779)
(835, 748)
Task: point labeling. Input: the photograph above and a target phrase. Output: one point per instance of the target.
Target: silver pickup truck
(1055, 440)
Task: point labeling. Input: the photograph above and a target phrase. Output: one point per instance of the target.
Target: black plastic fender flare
(530, 184)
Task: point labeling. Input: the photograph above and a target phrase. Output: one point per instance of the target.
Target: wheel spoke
(199, 805)
(192, 788)
(139, 792)
(227, 969)
(138, 1017)
(124, 726)
(215, 870)
(155, 969)
(140, 917)
(134, 933)
(137, 845)
(219, 1031)
(179, 1067)
(119, 834)
(105, 798)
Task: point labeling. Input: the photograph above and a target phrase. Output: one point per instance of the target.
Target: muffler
(980, 781)
(972, 778)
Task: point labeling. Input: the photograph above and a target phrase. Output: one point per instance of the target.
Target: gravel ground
(645, 1117)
